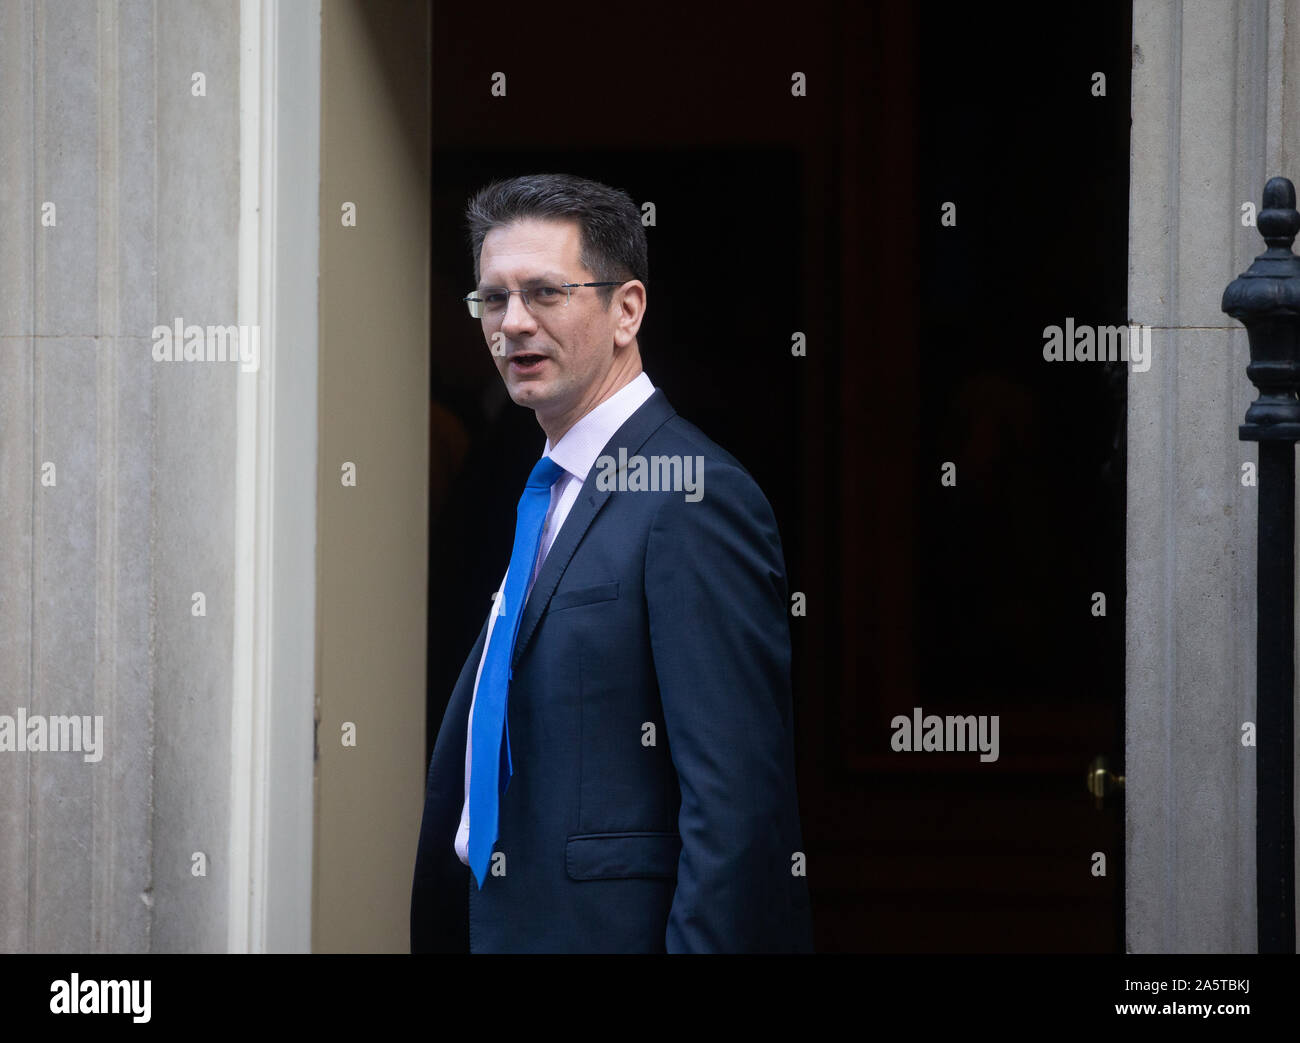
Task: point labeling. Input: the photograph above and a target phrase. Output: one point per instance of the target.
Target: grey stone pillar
(1215, 89)
(100, 117)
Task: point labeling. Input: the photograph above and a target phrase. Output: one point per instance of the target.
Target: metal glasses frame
(478, 309)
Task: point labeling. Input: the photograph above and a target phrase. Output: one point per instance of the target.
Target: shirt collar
(578, 449)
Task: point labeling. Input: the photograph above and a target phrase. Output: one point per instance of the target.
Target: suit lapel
(652, 415)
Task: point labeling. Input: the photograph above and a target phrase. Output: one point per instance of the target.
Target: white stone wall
(97, 573)
(1215, 89)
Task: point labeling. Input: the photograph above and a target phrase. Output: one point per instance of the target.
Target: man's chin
(530, 393)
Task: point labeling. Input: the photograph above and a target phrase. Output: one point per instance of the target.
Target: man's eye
(547, 293)
(494, 296)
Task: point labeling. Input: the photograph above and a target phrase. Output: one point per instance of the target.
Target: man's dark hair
(612, 237)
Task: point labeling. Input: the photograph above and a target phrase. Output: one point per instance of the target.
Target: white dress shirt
(576, 452)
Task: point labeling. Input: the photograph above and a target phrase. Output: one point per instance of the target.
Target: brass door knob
(1102, 782)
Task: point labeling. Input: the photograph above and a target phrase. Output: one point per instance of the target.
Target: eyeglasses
(491, 301)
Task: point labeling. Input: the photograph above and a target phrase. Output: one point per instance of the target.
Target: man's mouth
(526, 362)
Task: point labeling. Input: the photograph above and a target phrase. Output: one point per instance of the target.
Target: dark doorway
(820, 215)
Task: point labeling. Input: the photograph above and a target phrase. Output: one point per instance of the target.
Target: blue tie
(485, 779)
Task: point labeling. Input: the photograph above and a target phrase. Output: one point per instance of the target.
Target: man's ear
(631, 304)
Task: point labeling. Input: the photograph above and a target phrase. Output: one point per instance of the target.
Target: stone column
(119, 149)
(1215, 92)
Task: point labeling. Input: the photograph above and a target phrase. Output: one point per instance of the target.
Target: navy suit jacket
(653, 805)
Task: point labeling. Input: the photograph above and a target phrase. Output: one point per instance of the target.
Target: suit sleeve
(716, 593)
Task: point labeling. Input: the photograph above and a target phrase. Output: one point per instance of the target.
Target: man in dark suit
(615, 768)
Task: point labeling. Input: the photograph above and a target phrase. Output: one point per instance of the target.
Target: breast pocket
(622, 856)
(580, 596)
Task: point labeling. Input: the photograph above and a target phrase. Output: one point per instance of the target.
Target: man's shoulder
(677, 436)
(714, 468)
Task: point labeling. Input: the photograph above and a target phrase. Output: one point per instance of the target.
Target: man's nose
(517, 316)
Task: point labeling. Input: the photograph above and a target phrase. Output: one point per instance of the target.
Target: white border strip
(273, 704)
(244, 881)
(290, 534)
